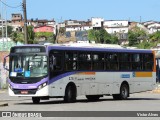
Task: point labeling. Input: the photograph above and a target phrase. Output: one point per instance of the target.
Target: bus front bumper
(30, 92)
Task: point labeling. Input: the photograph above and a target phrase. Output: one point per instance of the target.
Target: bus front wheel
(124, 93)
(70, 94)
(36, 100)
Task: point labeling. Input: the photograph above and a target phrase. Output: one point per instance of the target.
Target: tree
(114, 39)
(132, 38)
(99, 36)
(17, 37)
(47, 35)
(136, 35)
(31, 35)
(155, 37)
(9, 31)
(91, 35)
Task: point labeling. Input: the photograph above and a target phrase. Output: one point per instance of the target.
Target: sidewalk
(157, 90)
(3, 102)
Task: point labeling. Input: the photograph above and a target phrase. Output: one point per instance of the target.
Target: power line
(9, 5)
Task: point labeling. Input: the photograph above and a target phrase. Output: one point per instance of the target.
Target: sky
(60, 10)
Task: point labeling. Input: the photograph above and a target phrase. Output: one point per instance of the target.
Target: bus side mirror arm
(4, 63)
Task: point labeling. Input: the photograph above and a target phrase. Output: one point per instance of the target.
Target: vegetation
(141, 39)
(32, 36)
(9, 31)
(102, 36)
(17, 37)
(136, 37)
(48, 36)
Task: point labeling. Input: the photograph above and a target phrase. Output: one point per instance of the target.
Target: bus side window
(84, 61)
(124, 61)
(137, 62)
(112, 61)
(148, 61)
(70, 61)
(98, 61)
(56, 61)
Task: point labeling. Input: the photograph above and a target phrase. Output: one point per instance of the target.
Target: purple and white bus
(68, 71)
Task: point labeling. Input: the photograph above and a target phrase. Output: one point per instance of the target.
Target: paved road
(146, 101)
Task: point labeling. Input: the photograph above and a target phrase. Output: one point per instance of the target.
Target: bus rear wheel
(36, 100)
(124, 93)
(70, 94)
(93, 97)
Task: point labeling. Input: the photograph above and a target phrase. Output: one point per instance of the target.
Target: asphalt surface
(4, 100)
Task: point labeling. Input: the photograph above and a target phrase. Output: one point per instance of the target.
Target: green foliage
(9, 31)
(133, 38)
(49, 36)
(155, 37)
(114, 39)
(136, 35)
(17, 37)
(31, 35)
(102, 36)
(91, 35)
(62, 30)
(43, 34)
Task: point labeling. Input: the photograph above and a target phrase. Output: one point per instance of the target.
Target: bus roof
(90, 47)
(96, 47)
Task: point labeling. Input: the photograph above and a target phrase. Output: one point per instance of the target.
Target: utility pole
(25, 22)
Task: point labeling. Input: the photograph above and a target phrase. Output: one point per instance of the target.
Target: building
(74, 25)
(97, 22)
(17, 22)
(152, 26)
(41, 22)
(43, 28)
(118, 28)
(3, 72)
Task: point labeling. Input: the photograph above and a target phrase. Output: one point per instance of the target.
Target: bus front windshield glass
(28, 66)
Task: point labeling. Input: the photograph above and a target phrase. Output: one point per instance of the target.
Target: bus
(157, 54)
(70, 70)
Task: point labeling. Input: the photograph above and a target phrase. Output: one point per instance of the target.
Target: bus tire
(124, 93)
(93, 97)
(70, 94)
(36, 100)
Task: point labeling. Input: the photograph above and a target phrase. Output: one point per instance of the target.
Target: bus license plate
(24, 92)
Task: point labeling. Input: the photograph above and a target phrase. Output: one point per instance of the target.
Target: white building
(97, 22)
(78, 28)
(116, 26)
(75, 25)
(154, 27)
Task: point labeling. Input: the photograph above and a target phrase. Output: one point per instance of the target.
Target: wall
(44, 29)
(3, 72)
(97, 22)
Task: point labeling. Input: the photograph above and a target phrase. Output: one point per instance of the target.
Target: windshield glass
(28, 66)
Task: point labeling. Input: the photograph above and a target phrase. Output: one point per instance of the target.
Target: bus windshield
(28, 66)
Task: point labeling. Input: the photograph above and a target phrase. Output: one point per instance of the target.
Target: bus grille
(19, 91)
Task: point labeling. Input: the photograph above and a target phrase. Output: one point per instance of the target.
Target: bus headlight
(42, 85)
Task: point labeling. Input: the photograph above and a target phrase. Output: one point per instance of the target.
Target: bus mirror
(4, 63)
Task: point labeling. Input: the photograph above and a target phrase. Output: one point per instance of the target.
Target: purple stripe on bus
(27, 86)
(61, 76)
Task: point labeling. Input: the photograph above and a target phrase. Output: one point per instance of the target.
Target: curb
(156, 91)
(3, 104)
(3, 91)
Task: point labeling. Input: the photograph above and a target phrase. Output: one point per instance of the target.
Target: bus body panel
(104, 83)
(89, 82)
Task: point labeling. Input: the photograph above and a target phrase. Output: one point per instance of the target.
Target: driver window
(55, 61)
